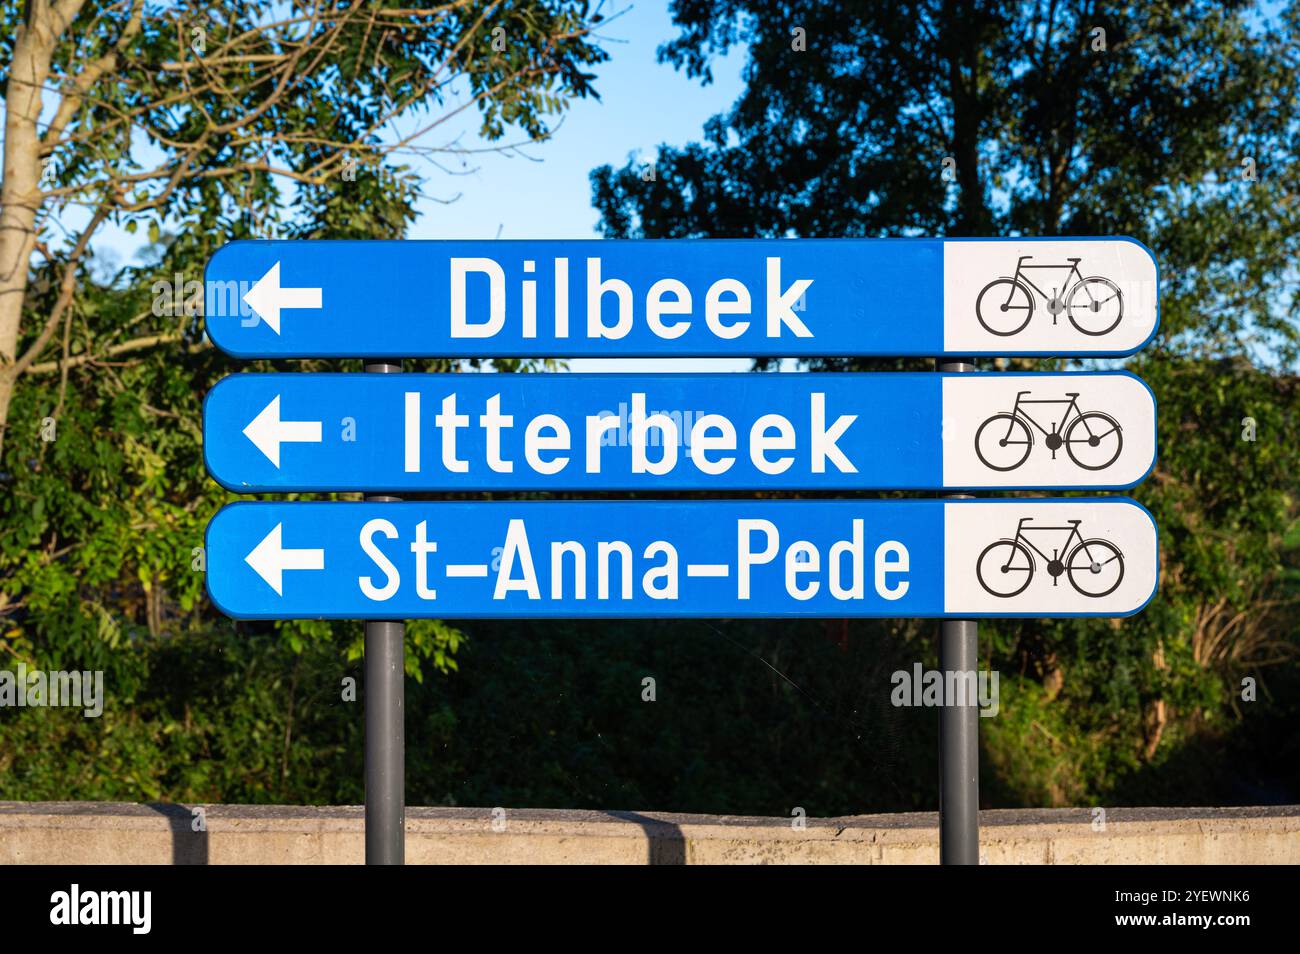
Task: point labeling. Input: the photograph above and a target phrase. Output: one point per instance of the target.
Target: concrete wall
(103, 832)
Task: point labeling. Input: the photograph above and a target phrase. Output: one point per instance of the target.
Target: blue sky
(642, 104)
(543, 191)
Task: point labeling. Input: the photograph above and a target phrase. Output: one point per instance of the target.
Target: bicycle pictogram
(1092, 439)
(1094, 567)
(1094, 304)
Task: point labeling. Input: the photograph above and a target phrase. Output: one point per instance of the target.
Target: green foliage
(229, 714)
(1049, 136)
(103, 493)
(1052, 135)
(99, 528)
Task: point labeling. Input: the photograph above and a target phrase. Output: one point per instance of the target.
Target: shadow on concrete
(189, 847)
(665, 843)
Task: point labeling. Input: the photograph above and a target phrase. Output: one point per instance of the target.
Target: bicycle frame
(1071, 399)
(1021, 267)
(1022, 539)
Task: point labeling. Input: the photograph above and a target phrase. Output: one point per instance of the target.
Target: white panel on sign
(1066, 297)
(1023, 558)
(1047, 430)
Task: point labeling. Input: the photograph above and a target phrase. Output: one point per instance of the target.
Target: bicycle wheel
(1007, 309)
(1094, 440)
(1095, 567)
(1095, 306)
(1006, 444)
(1008, 564)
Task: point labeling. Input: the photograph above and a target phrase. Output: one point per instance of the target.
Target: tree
(197, 124)
(184, 117)
(1173, 122)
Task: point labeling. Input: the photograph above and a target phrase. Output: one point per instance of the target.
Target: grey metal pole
(385, 723)
(959, 833)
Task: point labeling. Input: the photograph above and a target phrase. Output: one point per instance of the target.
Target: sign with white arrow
(677, 298)
(270, 558)
(647, 432)
(267, 298)
(267, 431)
(715, 558)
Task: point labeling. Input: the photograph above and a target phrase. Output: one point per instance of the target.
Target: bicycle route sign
(680, 298)
(674, 432)
(682, 432)
(715, 558)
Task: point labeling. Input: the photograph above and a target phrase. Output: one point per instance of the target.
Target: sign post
(955, 558)
(959, 753)
(385, 689)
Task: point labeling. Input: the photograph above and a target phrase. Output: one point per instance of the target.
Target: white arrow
(267, 431)
(269, 559)
(267, 298)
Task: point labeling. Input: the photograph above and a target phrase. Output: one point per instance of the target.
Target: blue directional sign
(716, 558)
(647, 432)
(715, 297)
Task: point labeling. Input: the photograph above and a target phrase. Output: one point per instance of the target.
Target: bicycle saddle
(1074, 261)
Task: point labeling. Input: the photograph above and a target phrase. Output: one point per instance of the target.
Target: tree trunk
(965, 67)
(20, 191)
